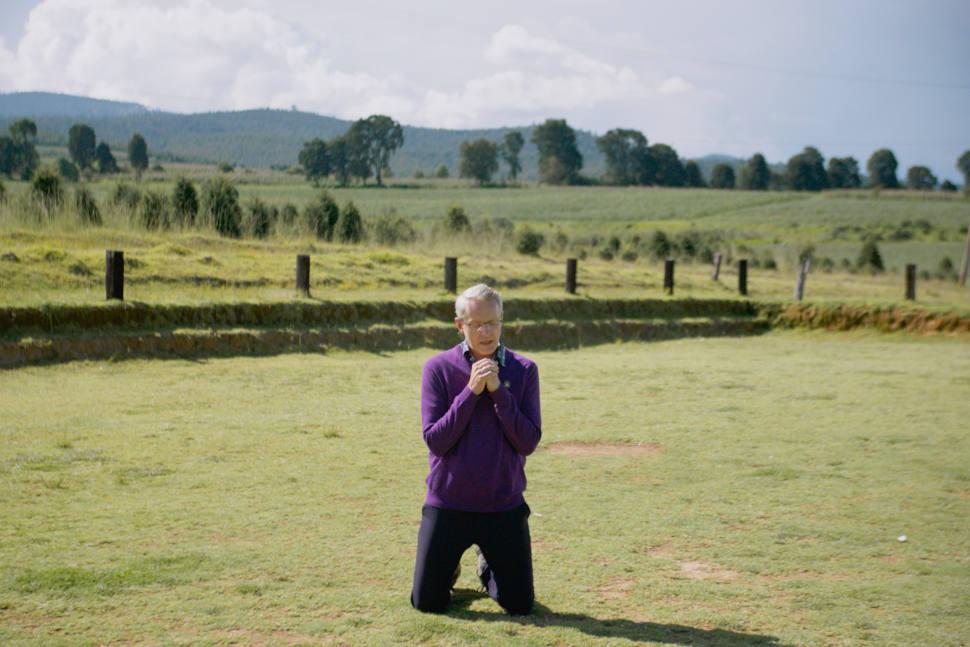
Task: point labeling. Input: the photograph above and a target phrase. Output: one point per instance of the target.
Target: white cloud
(674, 85)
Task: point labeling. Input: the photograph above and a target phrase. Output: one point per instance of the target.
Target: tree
(18, 155)
(442, 172)
(105, 159)
(511, 147)
(81, 144)
(963, 165)
(692, 175)
(559, 158)
(185, 202)
(920, 178)
(339, 149)
(843, 173)
(755, 175)
(722, 177)
(806, 171)
(882, 169)
(315, 160)
(138, 154)
(948, 187)
(624, 150)
(373, 140)
(668, 169)
(479, 160)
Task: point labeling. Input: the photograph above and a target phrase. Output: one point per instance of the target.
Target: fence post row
(911, 281)
(571, 275)
(669, 276)
(114, 275)
(717, 266)
(451, 274)
(802, 275)
(743, 276)
(303, 274)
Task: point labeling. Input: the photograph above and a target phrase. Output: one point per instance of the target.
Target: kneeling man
(480, 415)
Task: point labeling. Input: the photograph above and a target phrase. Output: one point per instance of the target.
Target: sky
(707, 76)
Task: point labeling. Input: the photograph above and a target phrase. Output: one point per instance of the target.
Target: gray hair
(480, 292)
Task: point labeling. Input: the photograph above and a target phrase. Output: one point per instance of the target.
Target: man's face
(482, 327)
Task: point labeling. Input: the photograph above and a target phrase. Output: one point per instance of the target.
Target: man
(480, 414)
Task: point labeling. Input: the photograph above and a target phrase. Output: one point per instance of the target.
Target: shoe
(454, 578)
(482, 570)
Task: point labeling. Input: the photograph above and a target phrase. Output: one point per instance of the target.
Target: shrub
(220, 206)
(185, 202)
(560, 241)
(605, 253)
(529, 241)
(3, 192)
(259, 217)
(659, 245)
(689, 243)
(770, 263)
(392, 230)
(869, 257)
(827, 264)
(350, 226)
(226, 167)
(321, 216)
(68, 170)
(153, 213)
(456, 221)
(418, 174)
(288, 214)
(86, 207)
(442, 172)
(629, 256)
(614, 244)
(126, 196)
(46, 190)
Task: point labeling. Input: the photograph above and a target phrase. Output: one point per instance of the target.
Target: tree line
(19, 158)
(365, 150)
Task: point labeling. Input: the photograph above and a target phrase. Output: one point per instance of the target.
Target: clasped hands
(484, 375)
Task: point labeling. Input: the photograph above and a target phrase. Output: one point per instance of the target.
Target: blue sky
(706, 77)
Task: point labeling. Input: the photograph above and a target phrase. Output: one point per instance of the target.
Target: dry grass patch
(616, 588)
(578, 449)
(695, 570)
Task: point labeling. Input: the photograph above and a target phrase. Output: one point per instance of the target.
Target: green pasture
(732, 491)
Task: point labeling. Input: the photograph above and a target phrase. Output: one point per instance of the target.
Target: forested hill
(253, 138)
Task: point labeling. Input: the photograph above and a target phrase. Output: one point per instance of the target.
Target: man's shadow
(543, 616)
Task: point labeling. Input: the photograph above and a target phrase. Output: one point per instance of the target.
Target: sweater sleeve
(520, 421)
(443, 420)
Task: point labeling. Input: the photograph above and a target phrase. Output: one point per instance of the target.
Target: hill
(260, 138)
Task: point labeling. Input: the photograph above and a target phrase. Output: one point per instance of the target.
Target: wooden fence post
(743, 276)
(451, 274)
(114, 275)
(802, 274)
(965, 265)
(303, 275)
(571, 275)
(669, 276)
(911, 281)
(717, 266)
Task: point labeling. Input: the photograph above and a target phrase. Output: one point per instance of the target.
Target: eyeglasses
(480, 325)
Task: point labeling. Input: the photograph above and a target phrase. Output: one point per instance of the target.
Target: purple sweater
(478, 443)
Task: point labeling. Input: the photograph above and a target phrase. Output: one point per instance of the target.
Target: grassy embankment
(756, 496)
(61, 262)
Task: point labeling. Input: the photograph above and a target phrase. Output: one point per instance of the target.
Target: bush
(259, 218)
(529, 241)
(154, 211)
(442, 172)
(67, 170)
(392, 230)
(869, 257)
(614, 244)
(46, 190)
(126, 196)
(689, 244)
(321, 216)
(456, 222)
(350, 226)
(659, 245)
(605, 253)
(220, 206)
(86, 207)
(629, 256)
(288, 214)
(3, 192)
(770, 263)
(560, 242)
(418, 174)
(226, 167)
(827, 264)
(185, 202)
(497, 227)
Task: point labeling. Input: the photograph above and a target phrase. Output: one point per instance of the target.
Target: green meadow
(707, 491)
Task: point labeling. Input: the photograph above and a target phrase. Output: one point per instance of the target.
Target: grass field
(718, 492)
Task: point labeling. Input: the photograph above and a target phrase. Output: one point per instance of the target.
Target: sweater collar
(499, 355)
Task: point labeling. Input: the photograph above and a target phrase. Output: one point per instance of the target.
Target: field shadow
(638, 631)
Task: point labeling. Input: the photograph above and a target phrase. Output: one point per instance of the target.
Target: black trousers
(504, 539)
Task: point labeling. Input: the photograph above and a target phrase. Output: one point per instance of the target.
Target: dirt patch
(576, 450)
(706, 571)
(616, 588)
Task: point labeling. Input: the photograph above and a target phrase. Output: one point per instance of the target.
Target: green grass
(277, 500)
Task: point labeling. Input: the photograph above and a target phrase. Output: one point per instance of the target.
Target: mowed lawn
(705, 491)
